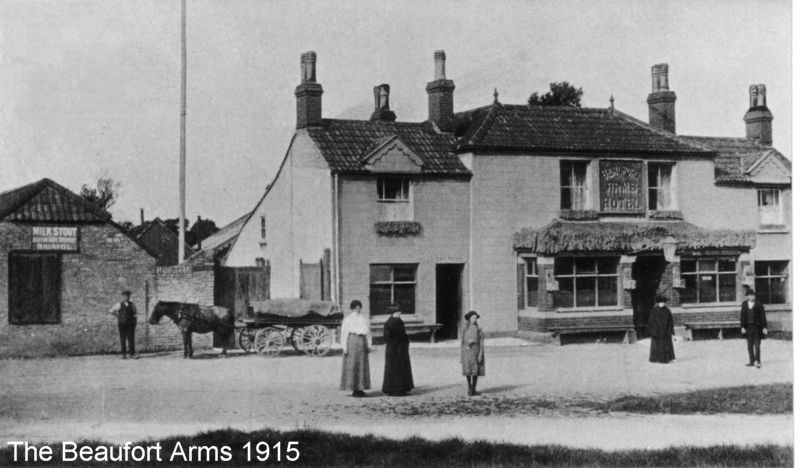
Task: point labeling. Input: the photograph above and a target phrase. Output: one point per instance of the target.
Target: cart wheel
(296, 338)
(246, 338)
(268, 342)
(317, 340)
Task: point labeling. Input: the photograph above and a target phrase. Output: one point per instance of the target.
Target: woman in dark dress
(397, 378)
(661, 331)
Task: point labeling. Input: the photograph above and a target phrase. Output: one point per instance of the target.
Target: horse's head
(161, 309)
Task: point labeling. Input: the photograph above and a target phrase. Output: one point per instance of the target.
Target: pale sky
(92, 87)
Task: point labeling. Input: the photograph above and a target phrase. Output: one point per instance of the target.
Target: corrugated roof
(46, 200)
(344, 143)
(552, 128)
(735, 156)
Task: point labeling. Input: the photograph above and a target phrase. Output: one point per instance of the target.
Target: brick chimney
(382, 110)
(661, 101)
(758, 119)
(440, 95)
(308, 93)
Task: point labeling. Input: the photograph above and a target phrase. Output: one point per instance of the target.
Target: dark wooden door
(34, 293)
(448, 299)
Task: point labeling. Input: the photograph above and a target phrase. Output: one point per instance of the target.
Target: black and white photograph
(396, 233)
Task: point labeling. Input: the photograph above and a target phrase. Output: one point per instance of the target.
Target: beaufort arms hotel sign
(621, 189)
(59, 238)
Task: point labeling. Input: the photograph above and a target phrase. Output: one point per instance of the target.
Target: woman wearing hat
(356, 343)
(661, 331)
(397, 377)
(472, 362)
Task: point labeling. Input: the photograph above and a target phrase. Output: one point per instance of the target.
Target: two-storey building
(537, 217)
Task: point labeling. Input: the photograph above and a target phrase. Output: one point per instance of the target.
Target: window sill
(773, 229)
(615, 308)
(709, 304)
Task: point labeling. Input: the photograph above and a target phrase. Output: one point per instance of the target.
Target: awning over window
(597, 236)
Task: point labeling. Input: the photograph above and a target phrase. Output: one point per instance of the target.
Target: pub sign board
(54, 238)
(621, 187)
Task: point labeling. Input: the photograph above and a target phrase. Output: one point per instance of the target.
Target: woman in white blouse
(356, 344)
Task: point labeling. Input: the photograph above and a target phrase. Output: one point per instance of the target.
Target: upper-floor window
(708, 279)
(771, 281)
(263, 227)
(586, 281)
(394, 200)
(574, 188)
(659, 187)
(769, 206)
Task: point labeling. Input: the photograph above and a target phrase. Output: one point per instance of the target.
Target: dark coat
(397, 377)
(127, 313)
(661, 329)
(760, 316)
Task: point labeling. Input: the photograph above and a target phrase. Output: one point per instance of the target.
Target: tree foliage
(561, 94)
(104, 194)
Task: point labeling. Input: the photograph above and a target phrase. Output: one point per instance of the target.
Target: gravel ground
(529, 395)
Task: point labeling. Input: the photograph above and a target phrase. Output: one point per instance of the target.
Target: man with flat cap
(753, 320)
(125, 312)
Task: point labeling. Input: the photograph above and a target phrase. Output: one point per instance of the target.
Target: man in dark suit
(753, 320)
(125, 312)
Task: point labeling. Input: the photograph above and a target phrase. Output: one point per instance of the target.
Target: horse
(194, 318)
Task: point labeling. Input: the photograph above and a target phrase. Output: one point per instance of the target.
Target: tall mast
(182, 220)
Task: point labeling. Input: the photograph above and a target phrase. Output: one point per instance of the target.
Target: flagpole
(182, 220)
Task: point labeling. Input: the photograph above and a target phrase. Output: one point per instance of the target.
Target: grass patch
(749, 399)
(319, 448)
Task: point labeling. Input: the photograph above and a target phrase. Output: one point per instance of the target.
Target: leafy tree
(560, 94)
(104, 195)
(127, 225)
(201, 229)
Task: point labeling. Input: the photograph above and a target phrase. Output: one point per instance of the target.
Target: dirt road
(107, 398)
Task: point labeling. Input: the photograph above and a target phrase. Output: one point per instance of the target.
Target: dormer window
(660, 187)
(394, 199)
(769, 207)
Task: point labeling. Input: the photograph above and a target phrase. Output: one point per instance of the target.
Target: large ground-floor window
(586, 281)
(392, 284)
(34, 288)
(771, 281)
(708, 279)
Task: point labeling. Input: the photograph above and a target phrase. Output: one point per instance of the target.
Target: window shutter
(520, 286)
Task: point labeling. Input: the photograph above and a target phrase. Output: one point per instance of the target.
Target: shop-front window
(708, 279)
(394, 199)
(392, 284)
(771, 281)
(586, 281)
(769, 207)
(574, 189)
(531, 283)
(659, 187)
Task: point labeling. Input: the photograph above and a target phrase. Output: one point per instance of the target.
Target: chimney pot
(758, 118)
(308, 92)
(661, 101)
(382, 110)
(440, 95)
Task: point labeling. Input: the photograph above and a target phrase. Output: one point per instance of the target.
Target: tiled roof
(735, 156)
(550, 128)
(344, 143)
(46, 200)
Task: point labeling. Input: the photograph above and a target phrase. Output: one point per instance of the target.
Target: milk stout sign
(59, 238)
(621, 188)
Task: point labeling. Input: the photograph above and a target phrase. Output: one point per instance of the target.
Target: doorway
(448, 299)
(647, 271)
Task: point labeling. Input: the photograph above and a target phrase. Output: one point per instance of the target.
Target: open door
(448, 299)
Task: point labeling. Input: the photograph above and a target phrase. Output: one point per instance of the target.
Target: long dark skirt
(661, 349)
(355, 366)
(397, 377)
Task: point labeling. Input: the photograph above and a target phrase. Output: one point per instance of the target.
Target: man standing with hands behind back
(125, 312)
(753, 320)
